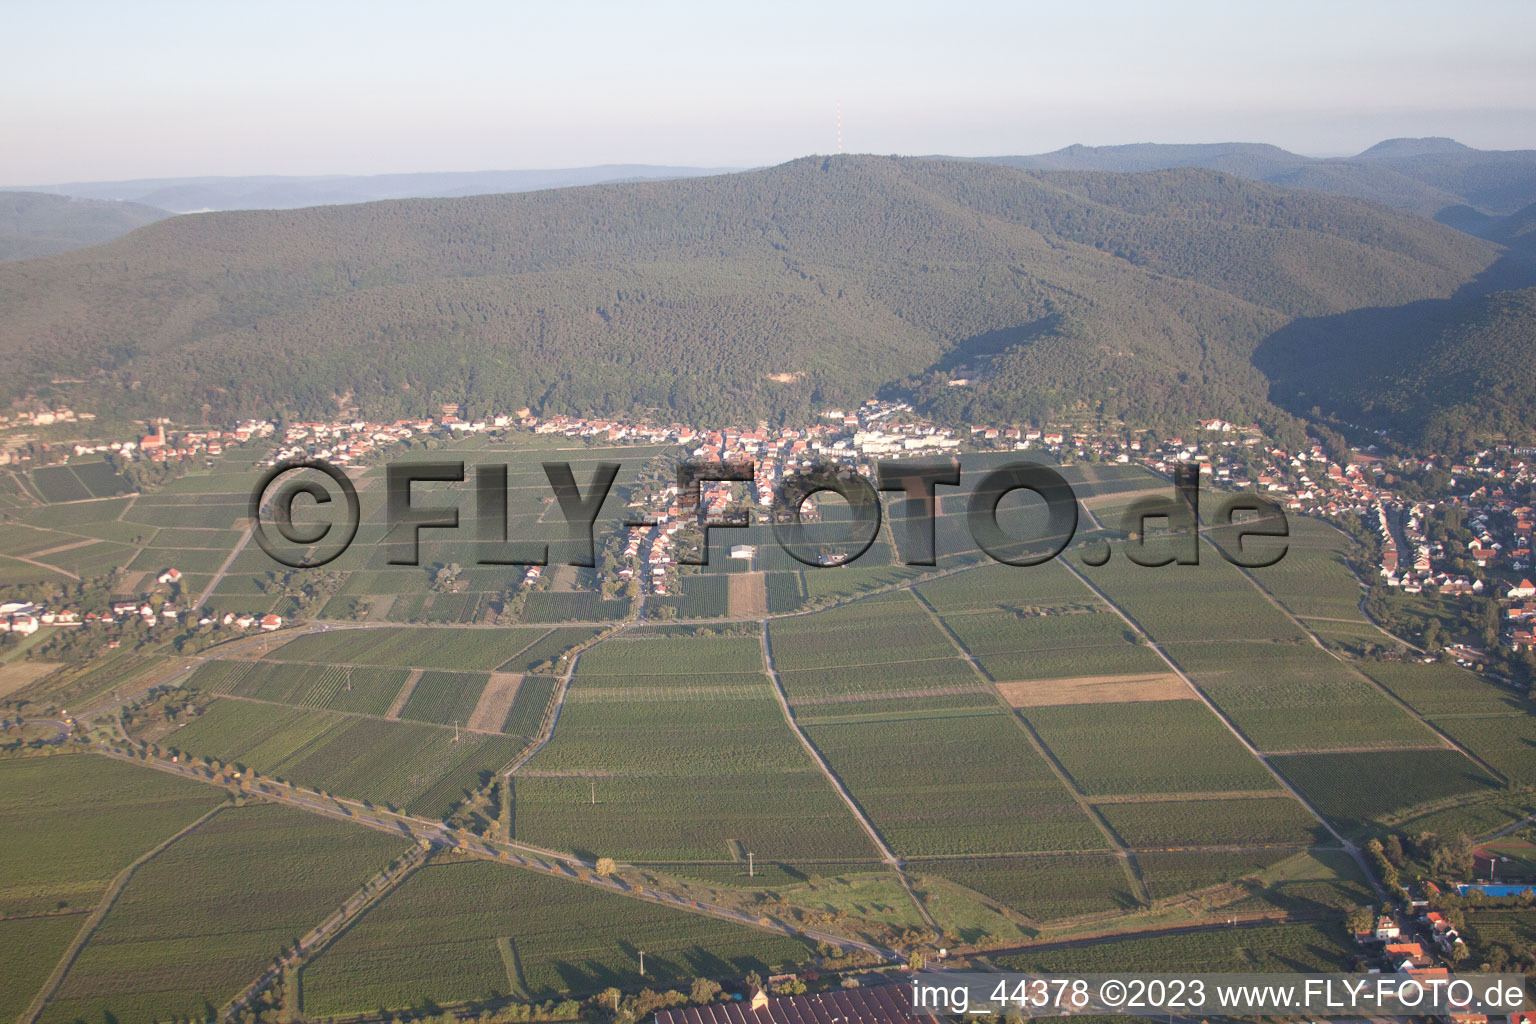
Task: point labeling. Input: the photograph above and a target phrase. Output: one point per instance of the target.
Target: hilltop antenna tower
(839, 127)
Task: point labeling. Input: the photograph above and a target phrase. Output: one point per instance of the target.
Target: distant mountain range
(1438, 178)
(1469, 189)
(33, 225)
(196, 195)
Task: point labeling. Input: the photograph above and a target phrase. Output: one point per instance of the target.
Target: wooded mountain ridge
(728, 299)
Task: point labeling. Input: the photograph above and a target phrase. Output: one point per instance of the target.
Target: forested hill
(1437, 178)
(1442, 373)
(726, 299)
(32, 224)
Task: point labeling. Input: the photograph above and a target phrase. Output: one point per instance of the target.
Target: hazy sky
(106, 90)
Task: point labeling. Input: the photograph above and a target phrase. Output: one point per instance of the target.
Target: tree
(1394, 850)
(606, 866)
(704, 990)
(1361, 920)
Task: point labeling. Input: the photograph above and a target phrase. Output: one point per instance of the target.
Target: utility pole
(750, 873)
(455, 730)
(593, 783)
(642, 963)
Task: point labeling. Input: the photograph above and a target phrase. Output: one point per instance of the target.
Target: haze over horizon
(170, 90)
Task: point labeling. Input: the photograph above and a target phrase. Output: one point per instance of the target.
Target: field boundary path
(321, 935)
(45, 565)
(517, 854)
(406, 689)
(218, 577)
(1446, 741)
(98, 914)
(1349, 847)
(1127, 859)
(557, 698)
(886, 853)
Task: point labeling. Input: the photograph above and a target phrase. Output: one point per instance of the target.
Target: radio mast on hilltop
(839, 127)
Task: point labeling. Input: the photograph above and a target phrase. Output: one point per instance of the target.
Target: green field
(1443, 689)
(32, 945)
(955, 785)
(1274, 948)
(1256, 822)
(1177, 603)
(439, 647)
(528, 707)
(445, 697)
(1506, 743)
(1003, 586)
(68, 825)
(1169, 874)
(1170, 746)
(1041, 888)
(548, 648)
(1313, 580)
(1355, 790)
(667, 656)
(204, 918)
(1293, 697)
(1320, 883)
(358, 689)
(419, 768)
(436, 939)
(661, 768)
(885, 629)
(879, 681)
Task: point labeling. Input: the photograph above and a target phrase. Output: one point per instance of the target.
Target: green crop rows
(955, 785)
(114, 812)
(1284, 948)
(661, 771)
(445, 697)
(1252, 821)
(1043, 888)
(441, 647)
(436, 939)
(1172, 746)
(1354, 790)
(203, 919)
(1293, 696)
(418, 767)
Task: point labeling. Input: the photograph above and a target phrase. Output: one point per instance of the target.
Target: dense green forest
(33, 224)
(727, 299)
(1443, 373)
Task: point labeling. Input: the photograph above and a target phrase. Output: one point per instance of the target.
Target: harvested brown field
(1037, 693)
(748, 597)
(495, 702)
(20, 673)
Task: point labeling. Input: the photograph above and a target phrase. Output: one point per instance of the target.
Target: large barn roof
(884, 1004)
